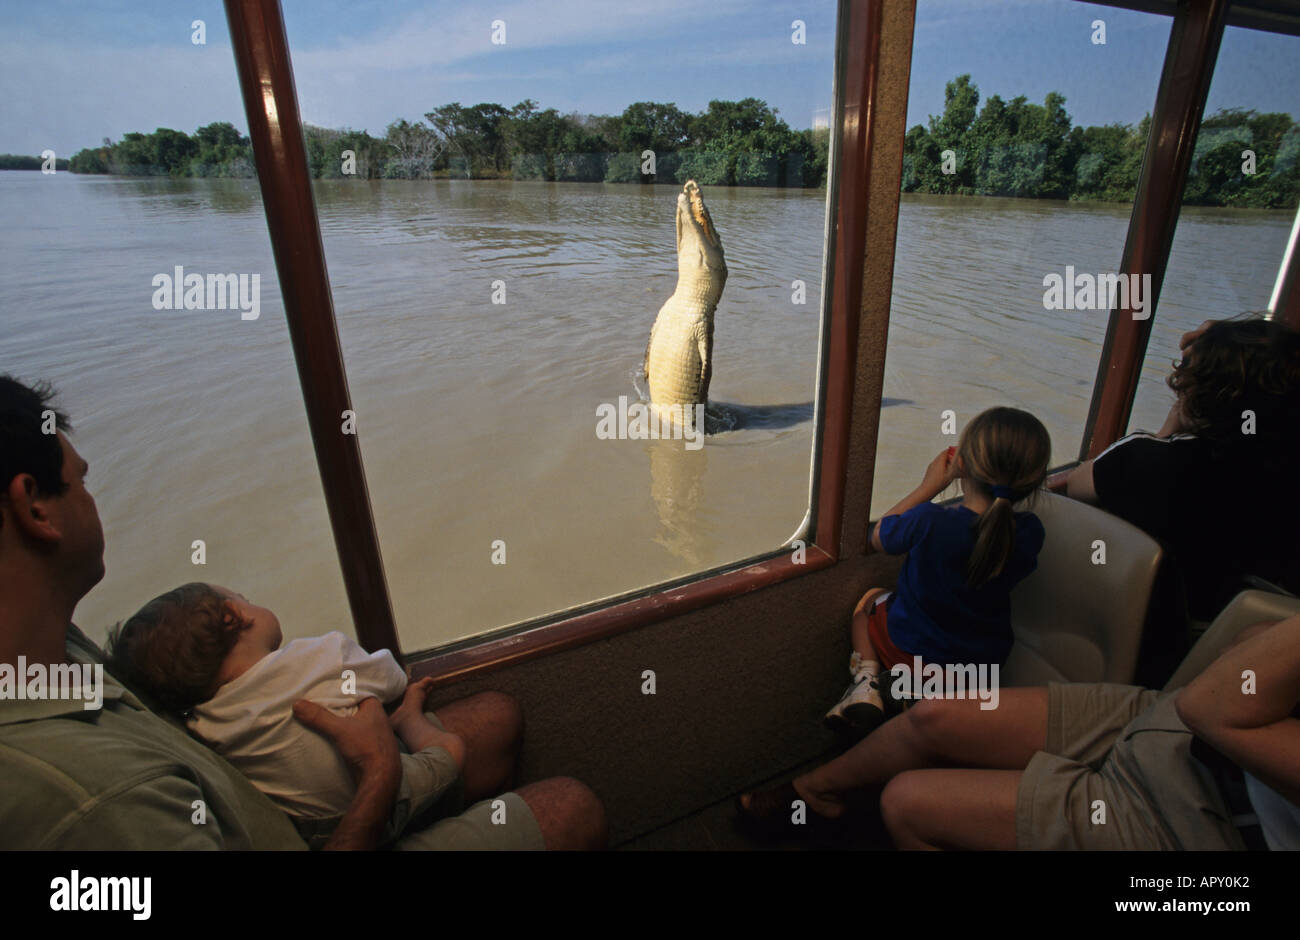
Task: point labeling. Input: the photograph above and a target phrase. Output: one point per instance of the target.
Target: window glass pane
(1027, 131)
(1234, 225)
(498, 263)
(191, 419)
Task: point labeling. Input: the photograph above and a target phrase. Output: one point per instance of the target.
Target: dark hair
(24, 447)
(1001, 447)
(1236, 366)
(173, 646)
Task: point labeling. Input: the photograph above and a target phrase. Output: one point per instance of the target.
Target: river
(477, 420)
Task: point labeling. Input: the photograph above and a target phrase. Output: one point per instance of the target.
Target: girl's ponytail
(1004, 452)
(995, 537)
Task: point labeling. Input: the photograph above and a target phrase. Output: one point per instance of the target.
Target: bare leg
(952, 809)
(570, 815)
(934, 733)
(491, 724)
(859, 632)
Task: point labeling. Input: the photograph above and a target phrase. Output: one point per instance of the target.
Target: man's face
(78, 520)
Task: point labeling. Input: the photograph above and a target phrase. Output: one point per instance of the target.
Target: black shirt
(1220, 513)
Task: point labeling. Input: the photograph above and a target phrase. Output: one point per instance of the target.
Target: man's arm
(1242, 705)
(1079, 484)
(366, 742)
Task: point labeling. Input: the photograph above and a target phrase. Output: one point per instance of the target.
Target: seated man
(1084, 766)
(121, 777)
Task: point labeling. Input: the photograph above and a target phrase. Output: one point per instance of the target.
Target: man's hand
(366, 742)
(1188, 339)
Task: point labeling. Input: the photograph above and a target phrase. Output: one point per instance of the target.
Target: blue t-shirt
(933, 613)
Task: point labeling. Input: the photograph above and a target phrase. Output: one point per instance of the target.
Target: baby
(214, 659)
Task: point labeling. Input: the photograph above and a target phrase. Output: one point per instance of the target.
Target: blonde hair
(1008, 449)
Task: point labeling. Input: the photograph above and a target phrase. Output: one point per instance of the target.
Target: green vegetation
(1017, 148)
(1005, 148)
(18, 161)
(215, 150)
(733, 143)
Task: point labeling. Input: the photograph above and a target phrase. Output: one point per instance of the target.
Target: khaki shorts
(1118, 773)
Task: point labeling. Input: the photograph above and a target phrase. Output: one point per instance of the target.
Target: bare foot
(829, 805)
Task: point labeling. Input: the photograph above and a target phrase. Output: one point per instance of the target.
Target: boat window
(1239, 204)
(1026, 132)
(149, 298)
(497, 200)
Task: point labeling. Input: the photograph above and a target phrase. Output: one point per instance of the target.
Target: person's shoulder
(54, 762)
(1030, 530)
(1146, 444)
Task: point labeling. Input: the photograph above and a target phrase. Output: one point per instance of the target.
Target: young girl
(953, 600)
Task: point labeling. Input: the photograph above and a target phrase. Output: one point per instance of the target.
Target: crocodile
(679, 356)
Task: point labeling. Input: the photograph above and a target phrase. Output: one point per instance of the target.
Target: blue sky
(75, 72)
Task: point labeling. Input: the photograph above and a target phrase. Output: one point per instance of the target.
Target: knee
(930, 723)
(899, 804)
(504, 713)
(585, 804)
(581, 810)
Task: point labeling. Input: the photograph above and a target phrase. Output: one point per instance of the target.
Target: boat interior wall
(1079, 616)
(1247, 608)
(739, 692)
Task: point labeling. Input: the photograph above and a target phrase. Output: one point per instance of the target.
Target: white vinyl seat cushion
(1246, 609)
(1076, 621)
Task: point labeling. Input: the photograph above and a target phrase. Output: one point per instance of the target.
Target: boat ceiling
(1274, 16)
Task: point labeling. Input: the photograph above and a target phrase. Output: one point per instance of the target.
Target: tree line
(1004, 148)
(732, 143)
(18, 161)
(1016, 148)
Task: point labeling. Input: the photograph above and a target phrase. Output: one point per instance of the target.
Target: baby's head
(184, 645)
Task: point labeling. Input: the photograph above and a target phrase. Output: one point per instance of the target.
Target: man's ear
(30, 510)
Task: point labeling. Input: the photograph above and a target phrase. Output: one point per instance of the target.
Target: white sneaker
(860, 709)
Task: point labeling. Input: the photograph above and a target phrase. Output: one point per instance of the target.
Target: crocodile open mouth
(700, 213)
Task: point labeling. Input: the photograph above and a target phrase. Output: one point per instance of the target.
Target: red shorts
(878, 632)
